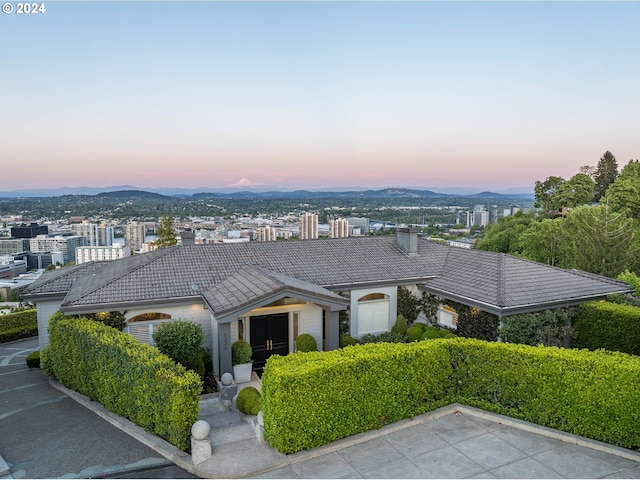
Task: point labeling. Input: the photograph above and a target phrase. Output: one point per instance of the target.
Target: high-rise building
(339, 228)
(266, 234)
(96, 236)
(92, 254)
(29, 231)
(9, 246)
(65, 245)
(308, 226)
(134, 235)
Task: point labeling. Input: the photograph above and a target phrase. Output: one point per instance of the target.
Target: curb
(183, 460)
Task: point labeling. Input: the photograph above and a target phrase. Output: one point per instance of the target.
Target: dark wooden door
(269, 336)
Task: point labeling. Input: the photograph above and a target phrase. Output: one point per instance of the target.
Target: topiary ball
(414, 333)
(248, 401)
(306, 343)
(400, 326)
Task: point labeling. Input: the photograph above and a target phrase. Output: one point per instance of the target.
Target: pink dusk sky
(316, 94)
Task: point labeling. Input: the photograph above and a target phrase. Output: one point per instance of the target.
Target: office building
(13, 245)
(99, 254)
(29, 231)
(65, 245)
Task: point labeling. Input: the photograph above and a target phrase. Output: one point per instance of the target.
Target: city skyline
(288, 95)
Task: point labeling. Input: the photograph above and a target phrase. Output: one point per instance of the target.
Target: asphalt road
(45, 434)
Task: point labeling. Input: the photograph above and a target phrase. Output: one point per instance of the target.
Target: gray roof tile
(500, 281)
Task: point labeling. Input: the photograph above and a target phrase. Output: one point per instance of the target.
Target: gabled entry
(269, 335)
(254, 287)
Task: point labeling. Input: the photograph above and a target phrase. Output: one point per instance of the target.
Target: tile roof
(501, 282)
(504, 284)
(251, 283)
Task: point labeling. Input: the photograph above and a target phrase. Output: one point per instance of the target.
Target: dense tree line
(590, 222)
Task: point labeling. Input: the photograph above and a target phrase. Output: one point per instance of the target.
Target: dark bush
(248, 401)
(14, 326)
(306, 343)
(33, 360)
(241, 352)
(400, 326)
(431, 333)
(347, 340)
(414, 333)
(388, 337)
(607, 325)
(179, 340)
(111, 319)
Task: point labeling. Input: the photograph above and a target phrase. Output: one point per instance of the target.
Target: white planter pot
(242, 372)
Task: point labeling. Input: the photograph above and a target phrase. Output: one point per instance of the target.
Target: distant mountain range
(128, 191)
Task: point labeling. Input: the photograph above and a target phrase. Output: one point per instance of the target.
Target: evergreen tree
(605, 174)
(166, 233)
(602, 241)
(623, 195)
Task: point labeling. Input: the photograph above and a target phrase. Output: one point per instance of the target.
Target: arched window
(147, 317)
(373, 313)
(373, 296)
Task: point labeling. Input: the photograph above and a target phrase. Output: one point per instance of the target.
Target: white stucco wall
(45, 308)
(392, 304)
(195, 312)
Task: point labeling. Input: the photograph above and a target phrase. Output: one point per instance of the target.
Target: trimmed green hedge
(15, 326)
(131, 379)
(610, 326)
(315, 398)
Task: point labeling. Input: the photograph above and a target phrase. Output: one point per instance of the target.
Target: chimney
(407, 240)
(188, 237)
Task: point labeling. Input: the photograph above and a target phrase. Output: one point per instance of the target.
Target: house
(268, 293)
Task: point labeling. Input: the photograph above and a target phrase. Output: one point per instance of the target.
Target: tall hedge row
(314, 398)
(611, 326)
(592, 394)
(131, 379)
(14, 326)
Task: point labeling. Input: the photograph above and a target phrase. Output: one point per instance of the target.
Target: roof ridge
(500, 298)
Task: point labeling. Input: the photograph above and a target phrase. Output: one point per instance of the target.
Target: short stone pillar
(200, 442)
(227, 388)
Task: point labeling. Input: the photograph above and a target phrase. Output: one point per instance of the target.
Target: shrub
(111, 319)
(319, 397)
(306, 343)
(347, 340)
(632, 279)
(241, 352)
(14, 326)
(45, 361)
(431, 333)
(400, 326)
(607, 325)
(248, 401)
(180, 340)
(549, 328)
(131, 379)
(408, 304)
(414, 333)
(387, 337)
(33, 360)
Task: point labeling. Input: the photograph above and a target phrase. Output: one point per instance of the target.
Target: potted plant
(241, 353)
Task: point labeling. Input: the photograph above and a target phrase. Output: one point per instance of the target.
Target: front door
(269, 336)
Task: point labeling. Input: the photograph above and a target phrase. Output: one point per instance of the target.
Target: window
(147, 317)
(373, 314)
